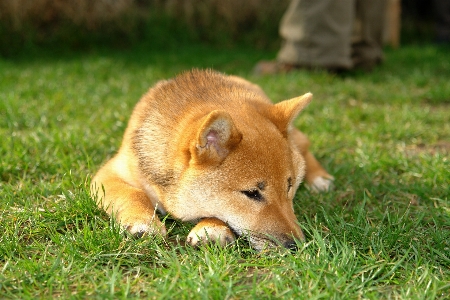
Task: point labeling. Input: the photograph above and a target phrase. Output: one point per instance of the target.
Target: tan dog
(211, 148)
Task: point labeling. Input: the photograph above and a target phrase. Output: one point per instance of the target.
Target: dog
(210, 148)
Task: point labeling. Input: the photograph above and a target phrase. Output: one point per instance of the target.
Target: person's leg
(317, 33)
(367, 42)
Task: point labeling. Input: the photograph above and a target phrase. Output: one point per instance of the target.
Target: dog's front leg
(316, 176)
(129, 205)
(210, 230)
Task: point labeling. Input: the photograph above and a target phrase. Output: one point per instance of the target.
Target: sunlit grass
(384, 232)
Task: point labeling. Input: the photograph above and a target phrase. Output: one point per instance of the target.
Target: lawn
(383, 232)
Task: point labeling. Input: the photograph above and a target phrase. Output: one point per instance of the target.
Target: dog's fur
(211, 148)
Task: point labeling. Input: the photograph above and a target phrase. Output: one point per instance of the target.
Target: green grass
(383, 232)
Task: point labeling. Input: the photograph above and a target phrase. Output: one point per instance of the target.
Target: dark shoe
(273, 67)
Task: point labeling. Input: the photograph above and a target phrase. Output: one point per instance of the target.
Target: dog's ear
(216, 137)
(285, 112)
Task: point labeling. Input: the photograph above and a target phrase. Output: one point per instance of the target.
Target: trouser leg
(317, 33)
(367, 42)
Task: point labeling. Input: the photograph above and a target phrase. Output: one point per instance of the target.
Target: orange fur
(211, 148)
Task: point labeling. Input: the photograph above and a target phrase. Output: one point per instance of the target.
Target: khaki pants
(337, 34)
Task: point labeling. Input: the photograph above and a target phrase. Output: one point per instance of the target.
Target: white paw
(321, 184)
(219, 234)
(152, 228)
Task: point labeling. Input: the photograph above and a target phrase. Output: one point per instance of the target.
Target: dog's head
(244, 170)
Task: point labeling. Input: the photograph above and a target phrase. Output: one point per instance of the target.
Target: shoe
(272, 67)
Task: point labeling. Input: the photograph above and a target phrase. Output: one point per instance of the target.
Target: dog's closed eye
(253, 194)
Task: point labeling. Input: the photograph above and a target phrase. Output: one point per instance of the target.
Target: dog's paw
(210, 230)
(144, 226)
(321, 184)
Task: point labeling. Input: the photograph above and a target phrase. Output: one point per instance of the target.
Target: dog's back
(170, 111)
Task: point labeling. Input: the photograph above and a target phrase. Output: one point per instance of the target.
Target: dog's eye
(289, 184)
(253, 194)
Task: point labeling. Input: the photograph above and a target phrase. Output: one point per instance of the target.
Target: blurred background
(84, 24)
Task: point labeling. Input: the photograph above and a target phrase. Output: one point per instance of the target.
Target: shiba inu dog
(212, 149)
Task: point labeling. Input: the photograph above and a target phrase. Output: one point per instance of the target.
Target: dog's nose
(291, 245)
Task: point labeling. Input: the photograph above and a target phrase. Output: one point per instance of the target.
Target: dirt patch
(441, 147)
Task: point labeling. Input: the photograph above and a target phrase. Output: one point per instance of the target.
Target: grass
(383, 232)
